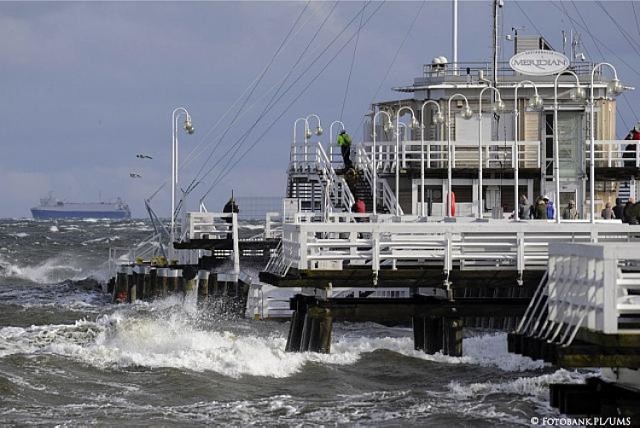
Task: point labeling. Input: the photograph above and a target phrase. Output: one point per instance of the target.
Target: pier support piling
(418, 333)
(121, 292)
(433, 335)
(452, 337)
(131, 285)
(203, 285)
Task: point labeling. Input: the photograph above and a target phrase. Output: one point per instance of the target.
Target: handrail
(515, 246)
(464, 154)
(614, 153)
(586, 288)
(384, 190)
(339, 190)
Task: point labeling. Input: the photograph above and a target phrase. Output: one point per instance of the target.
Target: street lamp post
(579, 94)
(467, 113)
(414, 124)
(294, 151)
(308, 133)
(373, 158)
(188, 127)
(331, 137)
(498, 106)
(437, 120)
(534, 103)
(613, 88)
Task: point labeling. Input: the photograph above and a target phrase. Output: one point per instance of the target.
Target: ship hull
(45, 214)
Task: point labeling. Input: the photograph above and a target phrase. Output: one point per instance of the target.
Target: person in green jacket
(344, 141)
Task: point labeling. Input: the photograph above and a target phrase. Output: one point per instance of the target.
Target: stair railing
(338, 188)
(383, 189)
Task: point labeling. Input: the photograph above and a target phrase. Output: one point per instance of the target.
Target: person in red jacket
(359, 208)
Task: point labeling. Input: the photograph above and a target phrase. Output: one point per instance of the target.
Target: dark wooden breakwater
(147, 282)
(437, 310)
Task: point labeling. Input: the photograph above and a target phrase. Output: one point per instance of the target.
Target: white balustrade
(588, 286)
(498, 245)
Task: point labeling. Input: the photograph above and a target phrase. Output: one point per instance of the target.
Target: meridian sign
(539, 62)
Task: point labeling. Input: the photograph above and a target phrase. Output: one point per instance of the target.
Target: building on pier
(526, 129)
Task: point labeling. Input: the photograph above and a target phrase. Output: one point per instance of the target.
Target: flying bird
(134, 175)
(141, 156)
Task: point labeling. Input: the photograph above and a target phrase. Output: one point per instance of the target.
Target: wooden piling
(189, 281)
(418, 333)
(306, 333)
(121, 291)
(453, 337)
(214, 286)
(153, 278)
(131, 286)
(203, 285)
(138, 275)
(146, 283)
(174, 279)
(162, 282)
(320, 333)
(433, 334)
(111, 286)
(293, 344)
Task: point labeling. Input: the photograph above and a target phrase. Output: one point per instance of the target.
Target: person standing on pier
(626, 213)
(230, 207)
(607, 212)
(551, 211)
(541, 209)
(618, 210)
(570, 212)
(344, 141)
(523, 208)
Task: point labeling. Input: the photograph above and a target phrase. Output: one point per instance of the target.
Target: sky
(85, 86)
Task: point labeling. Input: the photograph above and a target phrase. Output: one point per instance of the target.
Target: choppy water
(68, 356)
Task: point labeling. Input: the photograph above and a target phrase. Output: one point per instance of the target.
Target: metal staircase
(386, 198)
(313, 180)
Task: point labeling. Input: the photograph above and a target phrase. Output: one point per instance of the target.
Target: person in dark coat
(626, 214)
(618, 210)
(634, 217)
(230, 207)
(523, 207)
(630, 149)
(541, 210)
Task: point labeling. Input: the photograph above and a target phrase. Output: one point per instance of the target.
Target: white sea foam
(103, 239)
(53, 229)
(19, 235)
(251, 226)
(487, 351)
(52, 270)
(125, 339)
(537, 386)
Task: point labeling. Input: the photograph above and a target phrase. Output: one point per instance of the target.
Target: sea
(69, 356)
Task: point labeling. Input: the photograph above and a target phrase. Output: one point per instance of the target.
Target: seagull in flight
(134, 175)
(141, 156)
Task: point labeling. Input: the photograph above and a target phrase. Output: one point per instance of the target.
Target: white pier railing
(464, 154)
(614, 153)
(384, 192)
(589, 287)
(494, 245)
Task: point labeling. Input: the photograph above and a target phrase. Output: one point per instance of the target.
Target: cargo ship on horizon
(51, 208)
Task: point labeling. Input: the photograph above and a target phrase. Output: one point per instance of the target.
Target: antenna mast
(496, 5)
(455, 36)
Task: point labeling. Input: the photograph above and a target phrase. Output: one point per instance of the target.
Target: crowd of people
(543, 209)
